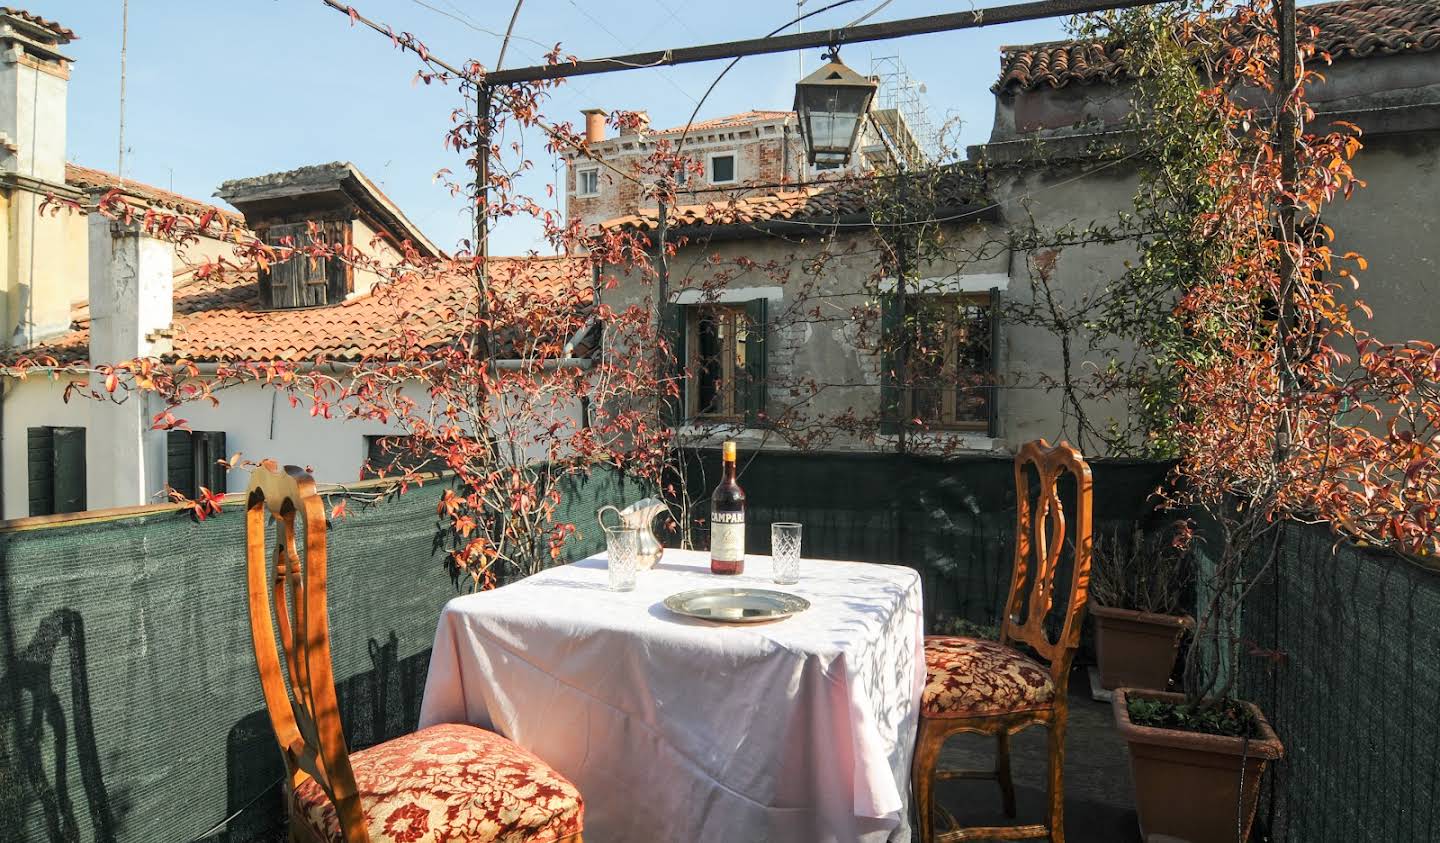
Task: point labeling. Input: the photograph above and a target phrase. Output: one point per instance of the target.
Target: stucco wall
(1394, 222)
(258, 422)
(824, 319)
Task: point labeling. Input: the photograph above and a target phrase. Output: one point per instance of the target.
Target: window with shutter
(723, 350)
(56, 467)
(389, 454)
(192, 461)
(950, 372)
(304, 281)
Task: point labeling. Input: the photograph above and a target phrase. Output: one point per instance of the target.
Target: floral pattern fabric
(971, 677)
(447, 784)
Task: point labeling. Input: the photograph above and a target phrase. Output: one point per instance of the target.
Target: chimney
(642, 124)
(132, 287)
(34, 77)
(38, 280)
(594, 124)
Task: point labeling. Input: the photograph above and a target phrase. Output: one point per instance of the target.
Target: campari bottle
(727, 521)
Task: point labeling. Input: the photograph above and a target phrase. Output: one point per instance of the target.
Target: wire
(868, 15)
(623, 43)
(772, 33)
(470, 22)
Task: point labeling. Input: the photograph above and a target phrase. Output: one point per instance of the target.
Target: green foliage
(1228, 718)
(952, 625)
(1178, 136)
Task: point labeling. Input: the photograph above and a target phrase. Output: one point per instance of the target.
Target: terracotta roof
(1347, 29)
(961, 189)
(220, 319)
(88, 178)
(61, 31)
(733, 121)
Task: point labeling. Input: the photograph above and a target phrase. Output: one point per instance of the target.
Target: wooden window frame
(949, 368)
(732, 410)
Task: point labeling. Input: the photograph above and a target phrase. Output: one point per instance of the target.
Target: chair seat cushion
(450, 783)
(972, 677)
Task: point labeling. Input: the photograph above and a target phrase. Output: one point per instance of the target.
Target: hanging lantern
(831, 103)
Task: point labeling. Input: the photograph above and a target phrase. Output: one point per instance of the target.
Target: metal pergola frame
(992, 16)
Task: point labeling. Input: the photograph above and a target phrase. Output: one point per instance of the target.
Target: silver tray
(736, 605)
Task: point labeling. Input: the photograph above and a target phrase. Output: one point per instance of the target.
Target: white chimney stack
(34, 77)
(132, 289)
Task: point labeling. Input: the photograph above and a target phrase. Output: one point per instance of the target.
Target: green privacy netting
(130, 709)
(951, 519)
(1343, 655)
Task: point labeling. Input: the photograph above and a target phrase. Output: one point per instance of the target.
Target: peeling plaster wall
(829, 350)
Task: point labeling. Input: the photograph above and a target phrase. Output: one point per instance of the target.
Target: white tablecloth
(678, 730)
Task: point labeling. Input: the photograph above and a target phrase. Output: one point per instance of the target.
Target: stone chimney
(642, 124)
(132, 288)
(38, 278)
(594, 125)
(34, 77)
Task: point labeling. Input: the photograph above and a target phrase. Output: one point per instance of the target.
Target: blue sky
(226, 90)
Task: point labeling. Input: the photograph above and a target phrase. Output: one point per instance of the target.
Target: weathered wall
(819, 334)
(258, 422)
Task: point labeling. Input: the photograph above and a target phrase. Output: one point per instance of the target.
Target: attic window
(301, 280)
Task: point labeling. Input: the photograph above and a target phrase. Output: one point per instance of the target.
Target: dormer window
(302, 280)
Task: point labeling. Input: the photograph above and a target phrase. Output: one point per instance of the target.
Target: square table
(677, 729)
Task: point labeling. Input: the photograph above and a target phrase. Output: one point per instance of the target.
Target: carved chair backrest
(288, 604)
(1039, 540)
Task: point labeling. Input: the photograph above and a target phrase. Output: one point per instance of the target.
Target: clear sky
(222, 90)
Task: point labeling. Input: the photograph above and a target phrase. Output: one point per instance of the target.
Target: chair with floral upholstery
(993, 688)
(449, 782)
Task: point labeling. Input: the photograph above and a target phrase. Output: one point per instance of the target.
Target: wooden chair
(451, 781)
(990, 687)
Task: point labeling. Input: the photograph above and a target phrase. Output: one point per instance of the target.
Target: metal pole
(662, 296)
(809, 40)
(484, 95)
(1289, 140)
(902, 352)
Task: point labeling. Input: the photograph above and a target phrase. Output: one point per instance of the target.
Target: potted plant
(1139, 584)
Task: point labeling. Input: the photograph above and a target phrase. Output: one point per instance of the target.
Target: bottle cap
(730, 451)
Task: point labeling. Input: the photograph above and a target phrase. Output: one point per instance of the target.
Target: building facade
(754, 152)
(86, 290)
(781, 302)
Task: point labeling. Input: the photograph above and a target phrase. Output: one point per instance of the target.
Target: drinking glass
(622, 545)
(785, 551)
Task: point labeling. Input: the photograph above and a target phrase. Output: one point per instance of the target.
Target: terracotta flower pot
(1188, 785)
(1137, 649)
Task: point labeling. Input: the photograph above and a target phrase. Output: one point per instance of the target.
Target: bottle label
(727, 536)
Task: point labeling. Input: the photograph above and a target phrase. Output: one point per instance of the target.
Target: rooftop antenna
(124, 43)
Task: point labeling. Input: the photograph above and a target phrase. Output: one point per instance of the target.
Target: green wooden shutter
(677, 329)
(992, 404)
(889, 380)
(209, 450)
(757, 354)
(39, 452)
(180, 462)
(68, 462)
(191, 461)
